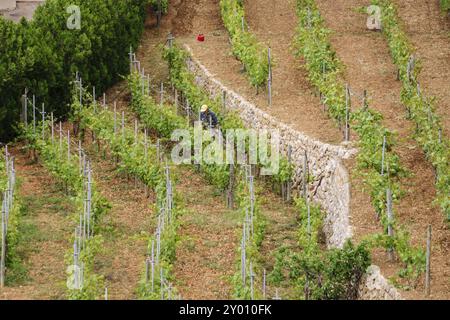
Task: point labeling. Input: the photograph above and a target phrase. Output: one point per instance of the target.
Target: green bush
(321, 274)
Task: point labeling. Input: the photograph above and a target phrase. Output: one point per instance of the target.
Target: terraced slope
(129, 220)
(207, 254)
(369, 67)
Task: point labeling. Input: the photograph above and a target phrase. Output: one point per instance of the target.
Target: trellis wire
(248, 234)
(269, 80)
(383, 155)
(7, 206)
(165, 219)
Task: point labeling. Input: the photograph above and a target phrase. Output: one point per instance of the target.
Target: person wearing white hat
(208, 117)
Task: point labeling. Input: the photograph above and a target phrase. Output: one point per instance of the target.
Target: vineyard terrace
(209, 148)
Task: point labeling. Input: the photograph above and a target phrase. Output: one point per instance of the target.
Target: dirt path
(124, 229)
(205, 257)
(429, 32)
(46, 230)
(369, 66)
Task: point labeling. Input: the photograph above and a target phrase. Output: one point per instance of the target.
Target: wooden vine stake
(161, 94)
(25, 108)
(277, 295)
(68, 145)
(365, 103)
(123, 125)
(3, 248)
(383, 155)
(34, 114)
(52, 120)
(305, 174)
(264, 284)
(428, 263)
(390, 216)
(7, 205)
(252, 279)
(115, 117)
(224, 100)
(43, 122)
(230, 191)
(269, 80)
(289, 182)
(159, 14)
(130, 54)
(347, 113)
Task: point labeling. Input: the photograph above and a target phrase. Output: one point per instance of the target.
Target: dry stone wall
(375, 287)
(331, 186)
(7, 5)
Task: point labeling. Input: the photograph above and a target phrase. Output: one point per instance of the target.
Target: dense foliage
(162, 119)
(421, 109)
(325, 72)
(3, 174)
(43, 55)
(122, 145)
(244, 44)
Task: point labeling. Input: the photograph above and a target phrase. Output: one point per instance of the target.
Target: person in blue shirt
(208, 118)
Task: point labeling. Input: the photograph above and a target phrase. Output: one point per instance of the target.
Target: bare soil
(24, 9)
(205, 257)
